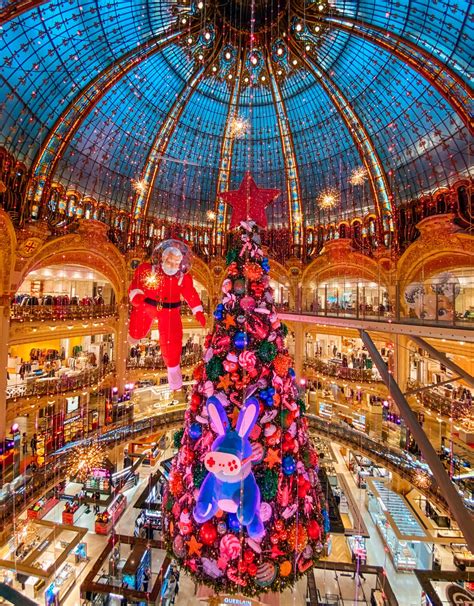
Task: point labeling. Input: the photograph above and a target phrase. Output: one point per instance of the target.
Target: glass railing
(61, 312)
(408, 467)
(52, 385)
(439, 303)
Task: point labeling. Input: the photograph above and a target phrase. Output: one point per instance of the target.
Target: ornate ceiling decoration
(245, 35)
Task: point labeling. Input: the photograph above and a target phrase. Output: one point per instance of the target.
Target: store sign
(72, 419)
(232, 601)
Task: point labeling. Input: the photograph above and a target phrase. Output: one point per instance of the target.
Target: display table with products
(42, 507)
(106, 520)
(101, 479)
(72, 512)
(357, 546)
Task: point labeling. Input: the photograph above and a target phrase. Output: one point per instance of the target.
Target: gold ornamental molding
(88, 247)
(442, 246)
(339, 260)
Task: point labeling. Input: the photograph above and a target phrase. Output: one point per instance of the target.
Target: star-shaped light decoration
(225, 382)
(229, 321)
(273, 458)
(152, 279)
(249, 202)
(194, 546)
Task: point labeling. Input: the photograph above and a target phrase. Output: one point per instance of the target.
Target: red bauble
(195, 402)
(242, 567)
(198, 371)
(313, 529)
(249, 556)
(186, 455)
(252, 569)
(208, 533)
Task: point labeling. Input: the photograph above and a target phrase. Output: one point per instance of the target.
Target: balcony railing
(440, 304)
(330, 369)
(24, 313)
(398, 461)
(50, 386)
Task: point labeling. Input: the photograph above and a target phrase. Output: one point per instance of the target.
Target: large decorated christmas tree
(244, 511)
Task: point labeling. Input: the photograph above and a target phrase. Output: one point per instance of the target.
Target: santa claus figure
(155, 293)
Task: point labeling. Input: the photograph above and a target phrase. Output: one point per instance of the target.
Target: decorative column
(122, 345)
(401, 361)
(4, 336)
(299, 349)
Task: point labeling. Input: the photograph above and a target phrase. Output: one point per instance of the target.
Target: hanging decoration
(328, 199)
(358, 176)
(155, 293)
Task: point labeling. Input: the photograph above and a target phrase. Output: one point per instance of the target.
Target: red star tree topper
(249, 202)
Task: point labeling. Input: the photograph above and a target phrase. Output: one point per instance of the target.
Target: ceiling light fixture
(358, 175)
(328, 199)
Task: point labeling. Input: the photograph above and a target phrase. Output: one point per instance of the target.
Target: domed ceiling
(156, 106)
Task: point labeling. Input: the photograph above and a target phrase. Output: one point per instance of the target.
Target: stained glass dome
(156, 106)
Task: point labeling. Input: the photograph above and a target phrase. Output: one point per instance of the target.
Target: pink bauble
(265, 512)
(230, 546)
(248, 303)
(226, 285)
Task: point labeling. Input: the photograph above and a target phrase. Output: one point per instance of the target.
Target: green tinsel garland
(301, 403)
(177, 437)
(214, 369)
(267, 481)
(267, 351)
(199, 473)
(284, 329)
(232, 255)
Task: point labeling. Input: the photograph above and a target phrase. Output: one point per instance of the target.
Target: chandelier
(358, 176)
(84, 459)
(328, 199)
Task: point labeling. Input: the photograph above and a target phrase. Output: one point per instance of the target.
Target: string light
(328, 199)
(358, 176)
(211, 215)
(84, 459)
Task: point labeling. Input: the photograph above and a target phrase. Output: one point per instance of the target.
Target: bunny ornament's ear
(247, 417)
(217, 416)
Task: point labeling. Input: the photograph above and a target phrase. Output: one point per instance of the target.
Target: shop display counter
(463, 559)
(408, 544)
(357, 545)
(71, 514)
(63, 581)
(105, 521)
(134, 569)
(42, 507)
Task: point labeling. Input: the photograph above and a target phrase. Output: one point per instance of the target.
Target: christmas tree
(244, 511)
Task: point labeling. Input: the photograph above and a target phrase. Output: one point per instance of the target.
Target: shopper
(24, 443)
(34, 444)
(146, 579)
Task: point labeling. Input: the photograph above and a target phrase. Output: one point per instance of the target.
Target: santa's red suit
(157, 296)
